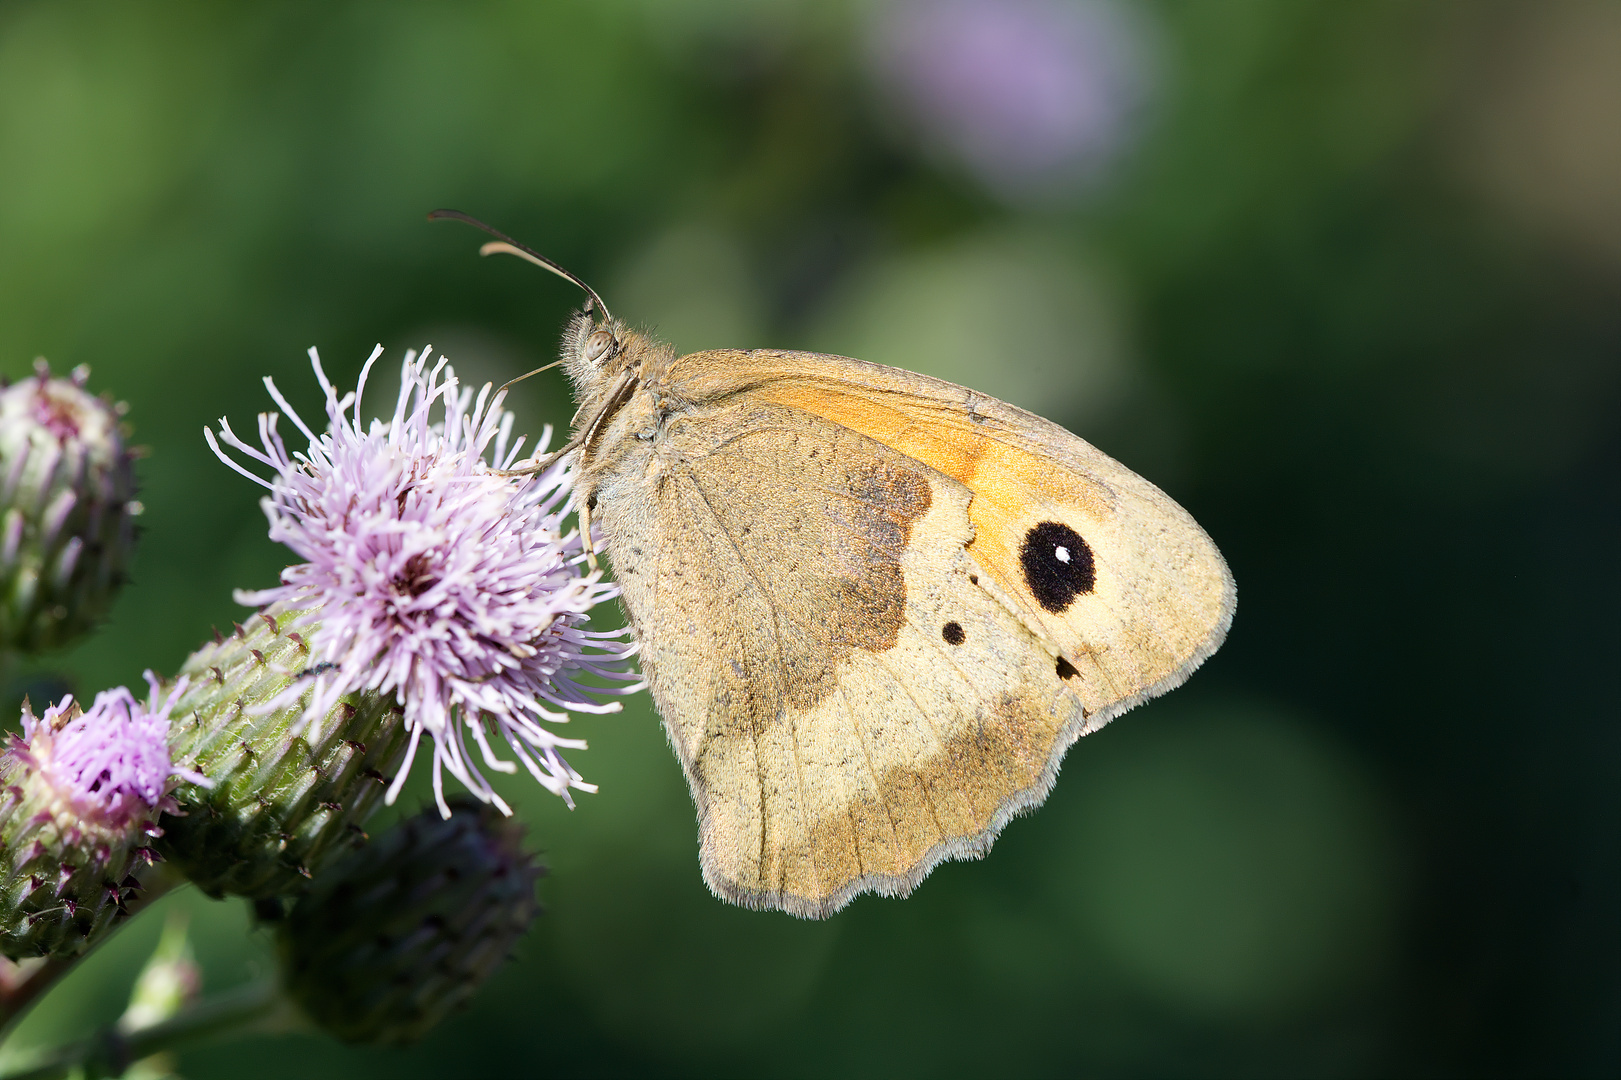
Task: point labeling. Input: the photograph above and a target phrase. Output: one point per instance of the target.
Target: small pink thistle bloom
(106, 767)
(432, 577)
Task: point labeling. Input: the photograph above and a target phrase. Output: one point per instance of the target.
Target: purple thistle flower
(432, 577)
(106, 767)
(80, 793)
(1022, 92)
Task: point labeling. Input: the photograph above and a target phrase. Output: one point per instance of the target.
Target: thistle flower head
(67, 509)
(432, 577)
(80, 794)
(106, 767)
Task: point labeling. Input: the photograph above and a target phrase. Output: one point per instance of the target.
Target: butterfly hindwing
(850, 703)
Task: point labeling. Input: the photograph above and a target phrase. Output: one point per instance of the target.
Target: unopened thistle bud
(67, 509)
(393, 937)
(80, 796)
(287, 791)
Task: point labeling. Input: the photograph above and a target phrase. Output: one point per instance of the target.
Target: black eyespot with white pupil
(597, 344)
(1057, 565)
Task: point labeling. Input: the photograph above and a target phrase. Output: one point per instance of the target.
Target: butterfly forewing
(1114, 576)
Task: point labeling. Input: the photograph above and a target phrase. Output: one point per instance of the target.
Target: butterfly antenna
(508, 384)
(506, 245)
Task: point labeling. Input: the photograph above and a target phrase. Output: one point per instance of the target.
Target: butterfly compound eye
(597, 344)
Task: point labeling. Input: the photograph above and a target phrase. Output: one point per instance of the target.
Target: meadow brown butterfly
(874, 608)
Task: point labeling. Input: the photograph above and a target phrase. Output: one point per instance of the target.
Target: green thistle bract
(393, 937)
(67, 510)
(287, 794)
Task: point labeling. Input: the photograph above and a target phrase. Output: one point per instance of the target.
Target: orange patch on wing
(1011, 487)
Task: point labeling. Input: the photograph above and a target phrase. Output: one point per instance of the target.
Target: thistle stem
(110, 1052)
(33, 978)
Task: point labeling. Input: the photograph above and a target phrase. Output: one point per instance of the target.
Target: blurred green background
(1345, 279)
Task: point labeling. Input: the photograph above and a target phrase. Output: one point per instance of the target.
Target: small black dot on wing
(953, 633)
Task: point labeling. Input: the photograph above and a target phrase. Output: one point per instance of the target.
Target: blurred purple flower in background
(1026, 94)
(432, 577)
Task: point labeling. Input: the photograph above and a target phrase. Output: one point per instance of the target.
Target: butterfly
(874, 608)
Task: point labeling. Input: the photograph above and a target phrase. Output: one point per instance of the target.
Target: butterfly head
(596, 349)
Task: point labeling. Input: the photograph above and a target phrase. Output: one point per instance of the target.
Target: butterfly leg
(539, 465)
(616, 398)
(583, 514)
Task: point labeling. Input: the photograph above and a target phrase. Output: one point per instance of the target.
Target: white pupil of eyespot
(1062, 553)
